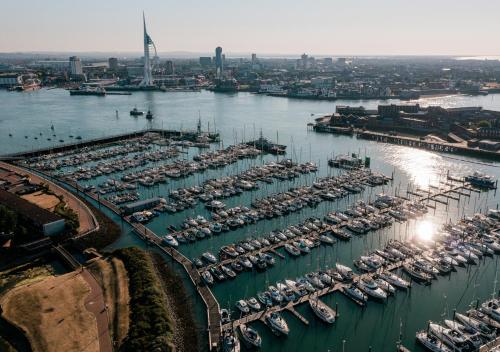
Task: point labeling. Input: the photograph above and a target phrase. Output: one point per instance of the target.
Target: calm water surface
(241, 117)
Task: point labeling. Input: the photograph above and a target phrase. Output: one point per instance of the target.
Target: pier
(413, 142)
(64, 147)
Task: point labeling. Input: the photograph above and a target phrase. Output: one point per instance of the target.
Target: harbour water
(242, 117)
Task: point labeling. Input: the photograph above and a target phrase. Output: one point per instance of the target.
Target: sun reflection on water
(425, 231)
(422, 167)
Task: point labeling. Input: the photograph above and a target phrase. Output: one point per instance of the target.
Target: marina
(259, 182)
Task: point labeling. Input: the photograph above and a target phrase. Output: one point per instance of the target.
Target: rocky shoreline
(186, 337)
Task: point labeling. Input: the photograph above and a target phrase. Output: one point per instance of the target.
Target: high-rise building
(113, 63)
(147, 79)
(75, 66)
(254, 59)
(169, 67)
(304, 59)
(218, 62)
(205, 61)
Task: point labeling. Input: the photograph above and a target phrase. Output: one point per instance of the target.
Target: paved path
(95, 304)
(87, 219)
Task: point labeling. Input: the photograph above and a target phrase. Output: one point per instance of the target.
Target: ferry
(481, 180)
(88, 90)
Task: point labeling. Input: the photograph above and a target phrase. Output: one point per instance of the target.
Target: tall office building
(218, 62)
(254, 59)
(147, 79)
(169, 67)
(113, 63)
(75, 66)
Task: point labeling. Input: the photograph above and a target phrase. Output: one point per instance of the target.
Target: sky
(321, 27)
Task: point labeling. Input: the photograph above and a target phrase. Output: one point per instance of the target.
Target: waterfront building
(10, 80)
(75, 66)
(147, 79)
(219, 64)
(42, 220)
(113, 63)
(205, 61)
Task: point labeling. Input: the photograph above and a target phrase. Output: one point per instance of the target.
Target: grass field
(53, 315)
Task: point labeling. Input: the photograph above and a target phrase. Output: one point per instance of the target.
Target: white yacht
(277, 323)
(355, 293)
(473, 337)
(171, 241)
(243, 306)
(250, 336)
(384, 285)
(491, 308)
(322, 311)
(209, 257)
(452, 338)
(371, 288)
(395, 280)
(431, 342)
(476, 325)
(253, 303)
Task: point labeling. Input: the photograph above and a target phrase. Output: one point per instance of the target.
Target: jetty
(413, 142)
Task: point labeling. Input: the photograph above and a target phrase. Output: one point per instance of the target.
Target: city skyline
(278, 28)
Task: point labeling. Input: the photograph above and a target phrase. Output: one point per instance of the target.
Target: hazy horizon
(278, 28)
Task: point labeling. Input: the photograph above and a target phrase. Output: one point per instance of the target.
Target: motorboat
(209, 257)
(245, 262)
(253, 303)
(207, 277)
(371, 288)
(265, 298)
(225, 316)
(228, 272)
(230, 342)
(171, 241)
(277, 323)
(322, 311)
(242, 305)
(217, 274)
(275, 294)
(250, 336)
(135, 112)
